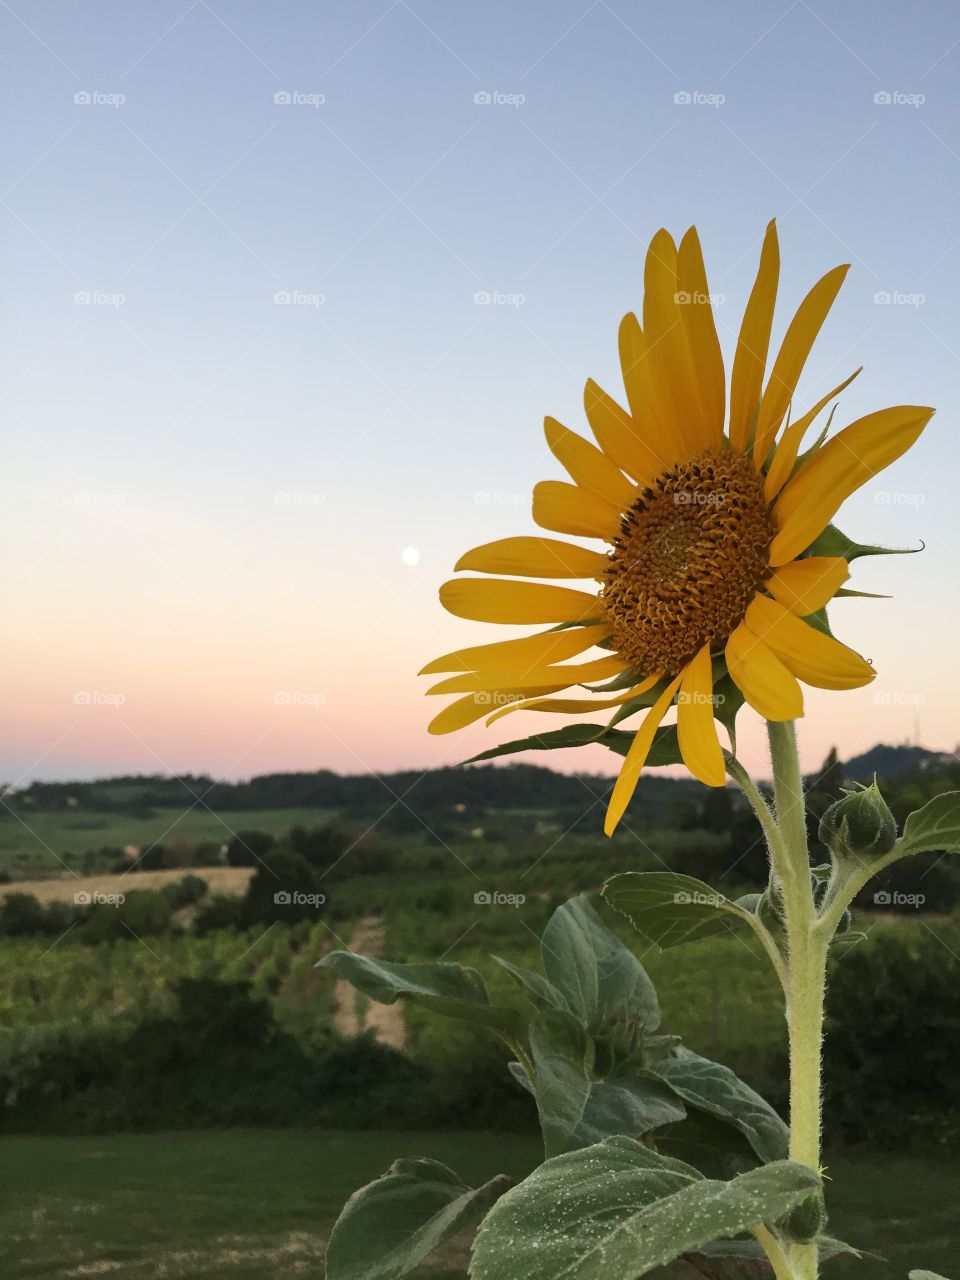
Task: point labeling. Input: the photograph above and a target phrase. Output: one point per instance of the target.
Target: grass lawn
(256, 1205)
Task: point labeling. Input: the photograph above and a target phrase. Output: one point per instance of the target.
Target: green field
(38, 844)
(257, 1205)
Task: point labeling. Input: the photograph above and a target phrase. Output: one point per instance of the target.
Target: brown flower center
(691, 554)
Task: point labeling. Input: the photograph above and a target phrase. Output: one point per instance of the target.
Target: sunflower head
(717, 557)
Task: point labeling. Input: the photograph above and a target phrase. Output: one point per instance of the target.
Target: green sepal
(832, 542)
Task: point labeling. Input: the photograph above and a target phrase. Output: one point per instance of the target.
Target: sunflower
(719, 555)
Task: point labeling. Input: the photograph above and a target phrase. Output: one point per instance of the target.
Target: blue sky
(151, 428)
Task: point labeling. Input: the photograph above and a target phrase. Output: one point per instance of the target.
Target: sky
(290, 288)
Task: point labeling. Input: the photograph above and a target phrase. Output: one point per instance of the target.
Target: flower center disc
(690, 556)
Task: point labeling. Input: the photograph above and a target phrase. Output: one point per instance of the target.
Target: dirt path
(353, 1013)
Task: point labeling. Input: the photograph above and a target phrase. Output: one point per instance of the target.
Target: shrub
(892, 1070)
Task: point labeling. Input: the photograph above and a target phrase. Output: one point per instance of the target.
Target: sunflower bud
(860, 825)
(805, 1222)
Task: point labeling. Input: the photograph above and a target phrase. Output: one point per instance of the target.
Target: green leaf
(834, 543)
(670, 909)
(537, 988)
(665, 749)
(713, 1088)
(598, 976)
(451, 989)
(387, 1228)
(572, 735)
(925, 1275)
(562, 1054)
(629, 1108)
(934, 828)
(618, 1210)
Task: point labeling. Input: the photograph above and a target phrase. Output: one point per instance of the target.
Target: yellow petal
(577, 706)
(538, 650)
(805, 586)
(619, 436)
(636, 758)
(812, 656)
(534, 558)
(667, 347)
(696, 728)
(702, 340)
(561, 677)
(850, 459)
(785, 454)
(500, 600)
(650, 408)
(788, 366)
(750, 360)
(761, 677)
(587, 466)
(474, 707)
(566, 508)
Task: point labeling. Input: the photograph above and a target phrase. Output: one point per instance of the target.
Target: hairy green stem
(782, 1268)
(807, 962)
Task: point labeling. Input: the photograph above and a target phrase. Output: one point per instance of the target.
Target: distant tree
(220, 912)
(21, 916)
(248, 848)
(142, 914)
(287, 890)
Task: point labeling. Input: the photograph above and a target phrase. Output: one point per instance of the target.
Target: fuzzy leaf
(670, 909)
(450, 989)
(713, 1088)
(619, 1209)
(597, 974)
(386, 1228)
(934, 828)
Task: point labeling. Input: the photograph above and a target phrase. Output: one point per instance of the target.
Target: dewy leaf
(670, 909)
(925, 1275)
(388, 1227)
(562, 1055)
(619, 1209)
(713, 1088)
(597, 974)
(934, 828)
(450, 989)
(538, 988)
